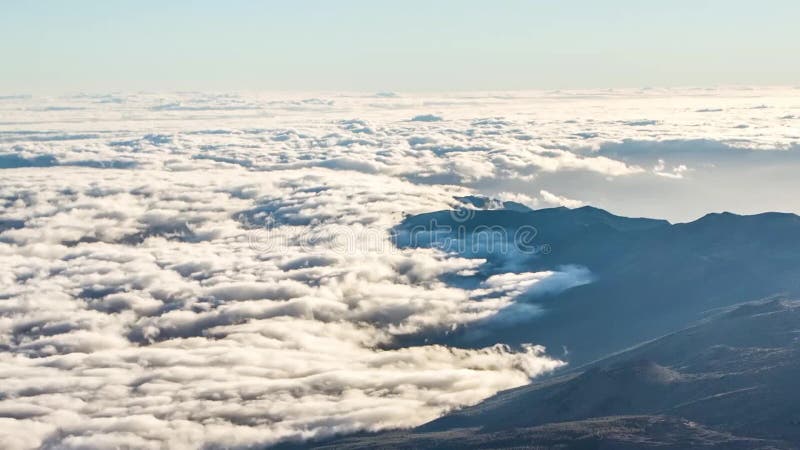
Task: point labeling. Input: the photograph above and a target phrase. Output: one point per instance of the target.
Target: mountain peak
(723, 216)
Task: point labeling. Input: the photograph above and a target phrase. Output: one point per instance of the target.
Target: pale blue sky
(65, 46)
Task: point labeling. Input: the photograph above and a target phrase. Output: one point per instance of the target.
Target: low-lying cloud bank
(582, 146)
(140, 309)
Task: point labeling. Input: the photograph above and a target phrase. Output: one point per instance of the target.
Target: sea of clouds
(204, 270)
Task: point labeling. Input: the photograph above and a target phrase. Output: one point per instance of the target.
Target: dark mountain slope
(651, 277)
(736, 372)
(728, 382)
(608, 433)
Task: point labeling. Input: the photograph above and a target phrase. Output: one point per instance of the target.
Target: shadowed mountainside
(650, 277)
(728, 382)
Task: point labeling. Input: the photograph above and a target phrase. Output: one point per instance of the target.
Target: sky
(351, 45)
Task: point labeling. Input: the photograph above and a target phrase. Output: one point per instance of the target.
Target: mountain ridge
(651, 277)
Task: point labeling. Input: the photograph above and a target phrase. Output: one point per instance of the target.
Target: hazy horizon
(416, 46)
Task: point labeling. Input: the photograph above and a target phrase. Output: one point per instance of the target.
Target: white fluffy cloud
(142, 308)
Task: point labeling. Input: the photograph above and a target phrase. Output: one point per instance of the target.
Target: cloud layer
(140, 309)
(208, 270)
(569, 143)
